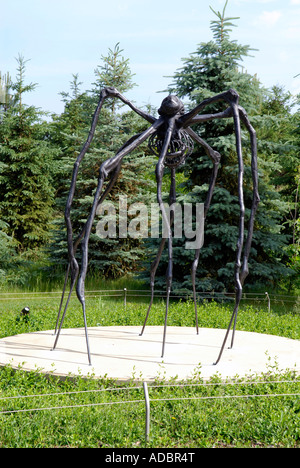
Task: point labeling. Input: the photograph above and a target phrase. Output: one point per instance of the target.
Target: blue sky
(62, 37)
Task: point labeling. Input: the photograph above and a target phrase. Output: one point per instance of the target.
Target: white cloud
(292, 30)
(269, 18)
(295, 2)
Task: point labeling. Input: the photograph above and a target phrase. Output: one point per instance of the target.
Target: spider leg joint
(233, 96)
(109, 92)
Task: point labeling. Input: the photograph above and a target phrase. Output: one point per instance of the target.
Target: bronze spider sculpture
(171, 139)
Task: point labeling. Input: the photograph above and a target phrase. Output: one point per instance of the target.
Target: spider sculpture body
(171, 139)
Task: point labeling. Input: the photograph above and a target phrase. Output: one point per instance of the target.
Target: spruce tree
(109, 258)
(289, 177)
(26, 192)
(9, 260)
(216, 67)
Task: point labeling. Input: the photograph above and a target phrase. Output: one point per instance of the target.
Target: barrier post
(147, 403)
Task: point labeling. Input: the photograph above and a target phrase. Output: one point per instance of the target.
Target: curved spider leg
(72, 264)
(192, 117)
(155, 263)
(62, 297)
(75, 246)
(83, 234)
(159, 171)
(255, 201)
(79, 238)
(215, 157)
(255, 196)
(238, 282)
(232, 97)
(109, 186)
(112, 164)
(73, 268)
(116, 166)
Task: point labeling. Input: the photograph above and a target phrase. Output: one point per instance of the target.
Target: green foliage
(114, 70)
(212, 69)
(8, 256)
(281, 129)
(37, 157)
(26, 158)
(110, 258)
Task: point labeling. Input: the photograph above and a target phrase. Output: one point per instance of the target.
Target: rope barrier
(178, 385)
(86, 405)
(159, 293)
(29, 410)
(147, 400)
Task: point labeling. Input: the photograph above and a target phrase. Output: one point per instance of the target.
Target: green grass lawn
(182, 416)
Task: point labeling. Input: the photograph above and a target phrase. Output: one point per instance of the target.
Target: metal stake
(269, 301)
(147, 402)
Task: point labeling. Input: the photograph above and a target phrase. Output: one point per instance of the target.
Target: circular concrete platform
(120, 353)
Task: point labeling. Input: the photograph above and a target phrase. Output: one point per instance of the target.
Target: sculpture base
(121, 353)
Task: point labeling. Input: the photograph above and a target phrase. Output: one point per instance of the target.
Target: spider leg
(237, 112)
(105, 169)
(85, 234)
(159, 171)
(192, 117)
(255, 196)
(215, 157)
(155, 263)
(72, 264)
(62, 297)
(255, 201)
(238, 282)
(75, 270)
(111, 165)
(72, 268)
(80, 236)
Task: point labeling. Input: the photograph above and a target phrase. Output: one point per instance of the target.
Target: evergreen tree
(26, 193)
(291, 171)
(109, 258)
(9, 259)
(281, 129)
(115, 69)
(212, 69)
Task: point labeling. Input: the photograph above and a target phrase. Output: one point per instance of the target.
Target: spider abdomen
(180, 147)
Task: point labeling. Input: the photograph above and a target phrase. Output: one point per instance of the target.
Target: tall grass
(107, 311)
(42, 280)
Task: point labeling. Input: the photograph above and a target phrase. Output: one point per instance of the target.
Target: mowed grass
(102, 413)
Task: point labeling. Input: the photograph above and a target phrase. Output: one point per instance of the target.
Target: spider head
(171, 106)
